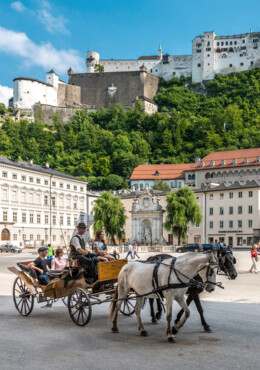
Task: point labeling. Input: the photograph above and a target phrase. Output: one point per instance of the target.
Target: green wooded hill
(105, 146)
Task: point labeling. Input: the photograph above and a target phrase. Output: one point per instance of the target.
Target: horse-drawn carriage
(70, 286)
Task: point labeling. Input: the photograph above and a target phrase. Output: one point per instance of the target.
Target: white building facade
(38, 205)
(211, 55)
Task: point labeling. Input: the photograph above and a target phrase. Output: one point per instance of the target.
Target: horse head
(227, 262)
(208, 273)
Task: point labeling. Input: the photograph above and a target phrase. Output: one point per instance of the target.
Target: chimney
(47, 165)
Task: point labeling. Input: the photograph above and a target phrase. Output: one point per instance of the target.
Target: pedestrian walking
(135, 251)
(130, 248)
(254, 258)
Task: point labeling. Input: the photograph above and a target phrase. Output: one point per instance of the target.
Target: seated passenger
(40, 265)
(100, 247)
(58, 262)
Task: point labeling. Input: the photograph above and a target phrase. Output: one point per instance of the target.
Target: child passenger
(100, 247)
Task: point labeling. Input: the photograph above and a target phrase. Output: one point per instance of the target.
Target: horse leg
(138, 307)
(170, 337)
(186, 310)
(154, 321)
(188, 301)
(200, 310)
(121, 293)
(159, 308)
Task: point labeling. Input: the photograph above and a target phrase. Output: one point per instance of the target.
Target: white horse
(139, 277)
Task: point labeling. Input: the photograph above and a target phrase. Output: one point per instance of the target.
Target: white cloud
(43, 55)
(51, 23)
(5, 94)
(18, 6)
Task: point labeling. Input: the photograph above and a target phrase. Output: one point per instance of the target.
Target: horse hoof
(144, 333)
(174, 331)
(115, 330)
(154, 321)
(158, 317)
(171, 340)
(208, 330)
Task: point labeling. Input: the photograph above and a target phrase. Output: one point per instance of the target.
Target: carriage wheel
(127, 308)
(65, 300)
(79, 307)
(23, 300)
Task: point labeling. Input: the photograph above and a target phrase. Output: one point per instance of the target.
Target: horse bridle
(222, 267)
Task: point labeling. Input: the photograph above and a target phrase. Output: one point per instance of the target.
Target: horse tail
(113, 305)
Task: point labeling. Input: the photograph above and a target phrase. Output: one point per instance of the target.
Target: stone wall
(69, 95)
(102, 89)
(46, 112)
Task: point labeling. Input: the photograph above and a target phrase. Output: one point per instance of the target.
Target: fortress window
(222, 43)
(208, 49)
(230, 65)
(255, 47)
(199, 65)
(231, 43)
(217, 43)
(199, 51)
(241, 64)
(255, 40)
(235, 42)
(208, 64)
(252, 63)
(243, 41)
(208, 43)
(208, 55)
(226, 42)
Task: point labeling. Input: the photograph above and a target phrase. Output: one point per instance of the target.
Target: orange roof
(160, 171)
(232, 158)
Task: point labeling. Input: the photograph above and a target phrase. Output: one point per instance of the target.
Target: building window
(46, 182)
(221, 210)
(75, 205)
(211, 224)
(68, 187)
(230, 223)
(249, 240)
(54, 219)
(4, 215)
(68, 221)
(230, 65)
(14, 176)
(31, 237)
(24, 236)
(46, 219)
(14, 236)
(239, 241)
(210, 196)
(250, 209)
(54, 238)
(23, 178)
(61, 220)
(74, 187)
(81, 188)
(38, 218)
(14, 216)
(239, 210)
(45, 200)
(197, 225)
(31, 218)
(235, 42)
(53, 201)
(211, 211)
(4, 194)
(250, 223)
(38, 237)
(221, 224)
(240, 194)
(239, 223)
(250, 194)
(30, 179)
(221, 195)
(230, 211)
(199, 65)
(53, 183)
(14, 195)
(230, 195)
(30, 197)
(4, 174)
(38, 181)
(23, 197)
(75, 221)
(61, 185)
(24, 218)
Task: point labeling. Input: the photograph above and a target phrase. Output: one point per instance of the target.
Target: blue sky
(37, 35)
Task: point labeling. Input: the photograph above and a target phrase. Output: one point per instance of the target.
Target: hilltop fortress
(123, 81)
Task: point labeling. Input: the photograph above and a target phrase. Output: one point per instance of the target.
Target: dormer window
(212, 163)
(257, 159)
(201, 164)
(246, 160)
(234, 161)
(156, 173)
(223, 162)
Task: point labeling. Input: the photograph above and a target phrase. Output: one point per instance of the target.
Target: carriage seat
(24, 267)
(52, 274)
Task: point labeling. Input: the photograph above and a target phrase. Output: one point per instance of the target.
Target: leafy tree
(109, 214)
(2, 108)
(182, 208)
(161, 185)
(112, 182)
(99, 68)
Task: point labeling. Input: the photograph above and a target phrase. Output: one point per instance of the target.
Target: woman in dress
(59, 262)
(100, 247)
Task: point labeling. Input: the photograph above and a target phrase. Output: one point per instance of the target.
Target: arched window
(5, 235)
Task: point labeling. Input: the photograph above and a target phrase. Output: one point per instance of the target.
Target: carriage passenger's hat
(82, 225)
(42, 249)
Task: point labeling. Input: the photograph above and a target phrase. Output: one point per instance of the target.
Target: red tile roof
(228, 156)
(165, 171)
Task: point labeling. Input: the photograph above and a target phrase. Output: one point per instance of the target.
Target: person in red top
(254, 258)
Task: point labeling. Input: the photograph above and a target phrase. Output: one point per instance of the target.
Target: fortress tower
(91, 61)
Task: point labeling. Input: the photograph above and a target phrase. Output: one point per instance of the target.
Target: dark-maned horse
(226, 264)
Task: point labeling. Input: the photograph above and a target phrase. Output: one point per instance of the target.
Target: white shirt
(130, 247)
(75, 241)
